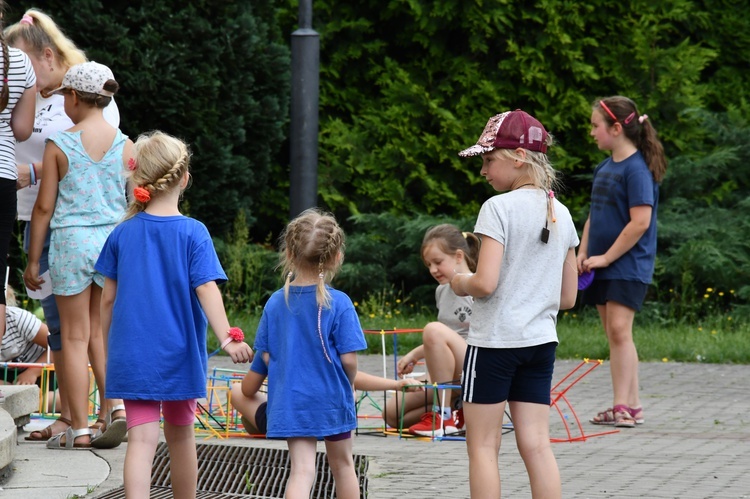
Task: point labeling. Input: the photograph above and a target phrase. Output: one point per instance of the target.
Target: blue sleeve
(204, 262)
(347, 331)
(640, 184)
(107, 262)
(258, 366)
(261, 335)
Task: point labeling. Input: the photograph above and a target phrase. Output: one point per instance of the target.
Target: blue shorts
(494, 375)
(628, 293)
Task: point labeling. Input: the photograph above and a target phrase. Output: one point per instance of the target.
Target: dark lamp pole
(304, 113)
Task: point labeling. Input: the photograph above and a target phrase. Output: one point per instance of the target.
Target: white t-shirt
(454, 311)
(522, 311)
(50, 118)
(20, 78)
(21, 327)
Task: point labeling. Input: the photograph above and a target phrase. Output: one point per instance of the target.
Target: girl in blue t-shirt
(619, 241)
(309, 334)
(160, 291)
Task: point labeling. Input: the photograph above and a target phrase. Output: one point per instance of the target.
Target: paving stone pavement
(695, 443)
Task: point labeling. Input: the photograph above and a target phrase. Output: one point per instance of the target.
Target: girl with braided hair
(309, 334)
(81, 199)
(160, 292)
(17, 90)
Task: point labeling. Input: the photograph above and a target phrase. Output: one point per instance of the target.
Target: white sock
(446, 413)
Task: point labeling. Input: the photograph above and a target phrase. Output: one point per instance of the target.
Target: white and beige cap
(87, 77)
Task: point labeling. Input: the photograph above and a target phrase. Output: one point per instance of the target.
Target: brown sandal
(46, 433)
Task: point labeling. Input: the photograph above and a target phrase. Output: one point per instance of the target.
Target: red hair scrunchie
(142, 194)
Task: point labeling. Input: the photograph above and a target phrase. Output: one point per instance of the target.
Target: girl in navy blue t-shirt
(619, 241)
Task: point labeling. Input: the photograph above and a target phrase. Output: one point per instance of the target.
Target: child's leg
(484, 430)
(618, 324)
(247, 406)
(414, 405)
(179, 416)
(531, 424)
(183, 459)
(139, 458)
(444, 351)
(302, 457)
(341, 462)
(75, 327)
(95, 347)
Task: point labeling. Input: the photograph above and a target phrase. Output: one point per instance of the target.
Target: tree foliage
(213, 73)
(406, 84)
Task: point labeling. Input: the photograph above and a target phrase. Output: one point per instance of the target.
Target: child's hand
(405, 365)
(28, 377)
(239, 351)
(31, 276)
(411, 385)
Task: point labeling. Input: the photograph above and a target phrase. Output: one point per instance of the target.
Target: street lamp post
(304, 113)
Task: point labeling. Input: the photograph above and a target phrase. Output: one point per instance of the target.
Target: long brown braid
(5, 92)
(312, 242)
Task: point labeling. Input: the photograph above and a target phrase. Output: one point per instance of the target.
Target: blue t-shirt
(308, 396)
(617, 187)
(157, 339)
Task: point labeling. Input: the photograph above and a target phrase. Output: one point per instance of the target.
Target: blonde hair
(542, 174)
(42, 33)
(312, 242)
(159, 164)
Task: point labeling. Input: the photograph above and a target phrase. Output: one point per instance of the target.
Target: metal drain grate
(226, 471)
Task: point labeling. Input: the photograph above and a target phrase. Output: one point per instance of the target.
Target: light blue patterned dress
(90, 202)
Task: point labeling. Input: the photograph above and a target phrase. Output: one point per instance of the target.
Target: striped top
(20, 77)
(21, 327)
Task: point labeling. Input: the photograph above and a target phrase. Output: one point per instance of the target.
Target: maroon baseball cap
(510, 130)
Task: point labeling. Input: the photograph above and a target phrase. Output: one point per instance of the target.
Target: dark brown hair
(641, 133)
(96, 100)
(5, 91)
(450, 239)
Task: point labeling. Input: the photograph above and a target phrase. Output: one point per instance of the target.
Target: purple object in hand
(585, 280)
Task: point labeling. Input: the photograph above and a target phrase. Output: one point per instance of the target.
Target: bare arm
(41, 215)
(368, 382)
(640, 220)
(583, 248)
(251, 383)
(349, 363)
(22, 115)
(484, 281)
(407, 362)
(569, 289)
(213, 306)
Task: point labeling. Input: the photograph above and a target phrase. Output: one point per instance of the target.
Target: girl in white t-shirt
(525, 274)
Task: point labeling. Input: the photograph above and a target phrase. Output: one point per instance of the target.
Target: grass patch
(718, 339)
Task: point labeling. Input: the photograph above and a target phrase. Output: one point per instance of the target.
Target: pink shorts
(176, 412)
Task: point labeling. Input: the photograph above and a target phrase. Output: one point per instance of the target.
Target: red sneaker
(431, 425)
(458, 417)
